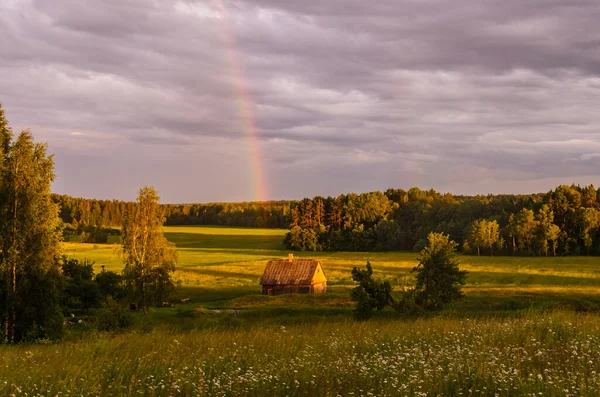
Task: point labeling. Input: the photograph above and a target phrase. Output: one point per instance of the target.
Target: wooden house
(293, 276)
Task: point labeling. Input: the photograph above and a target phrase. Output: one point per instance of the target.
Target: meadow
(536, 354)
(527, 326)
(220, 264)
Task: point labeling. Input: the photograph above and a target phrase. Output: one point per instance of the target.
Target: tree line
(563, 221)
(82, 214)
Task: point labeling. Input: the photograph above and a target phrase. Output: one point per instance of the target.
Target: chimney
(290, 257)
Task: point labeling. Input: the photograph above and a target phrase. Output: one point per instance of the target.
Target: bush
(97, 235)
(110, 285)
(407, 306)
(79, 289)
(113, 318)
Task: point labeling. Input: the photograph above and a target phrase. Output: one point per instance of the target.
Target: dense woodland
(79, 213)
(564, 221)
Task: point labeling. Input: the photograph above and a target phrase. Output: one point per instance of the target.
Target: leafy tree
(485, 234)
(476, 235)
(110, 284)
(589, 220)
(525, 229)
(302, 239)
(553, 236)
(80, 290)
(512, 231)
(546, 229)
(491, 235)
(160, 286)
(149, 257)
(29, 240)
(359, 238)
(388, 236)
(438, 279)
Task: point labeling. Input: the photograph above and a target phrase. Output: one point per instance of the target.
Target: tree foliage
(563, 221)
(438, 281)
(29, 240)
(149, 257)
(484, 234)
(438, 278)
(80, 290)
(302, 239)
(110, 285)
(370, 293)
(393, 220)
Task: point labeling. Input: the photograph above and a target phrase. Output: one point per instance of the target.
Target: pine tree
(438, 280)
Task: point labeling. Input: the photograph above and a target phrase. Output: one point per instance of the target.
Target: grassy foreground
(553, 354)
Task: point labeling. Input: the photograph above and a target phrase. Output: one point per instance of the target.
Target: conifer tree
(438, 280)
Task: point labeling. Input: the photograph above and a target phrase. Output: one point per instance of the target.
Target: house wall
(285, 289)
(319, 276)
(320, 288)
(294, 289)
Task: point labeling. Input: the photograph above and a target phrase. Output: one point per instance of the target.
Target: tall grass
(548, 354)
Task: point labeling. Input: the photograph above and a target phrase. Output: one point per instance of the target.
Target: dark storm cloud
(472, 97)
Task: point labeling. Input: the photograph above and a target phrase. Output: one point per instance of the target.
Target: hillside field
(527, 326)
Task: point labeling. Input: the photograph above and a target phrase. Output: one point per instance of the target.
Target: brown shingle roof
(284, 272)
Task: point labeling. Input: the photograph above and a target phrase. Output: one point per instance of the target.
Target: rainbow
(246, 104)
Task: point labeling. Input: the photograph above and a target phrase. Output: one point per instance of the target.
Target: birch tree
(149, 257)
(29, 239)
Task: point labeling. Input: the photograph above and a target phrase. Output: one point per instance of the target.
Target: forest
(81, 213)
(563, 221)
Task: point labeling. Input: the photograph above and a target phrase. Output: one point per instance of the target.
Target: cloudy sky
(201, 98)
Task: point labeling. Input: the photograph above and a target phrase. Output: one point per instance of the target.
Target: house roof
(285, 272)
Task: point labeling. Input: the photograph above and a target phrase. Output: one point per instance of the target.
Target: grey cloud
(343, 95)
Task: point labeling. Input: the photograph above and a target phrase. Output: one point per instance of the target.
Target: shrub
(110, 285)
(113, 318)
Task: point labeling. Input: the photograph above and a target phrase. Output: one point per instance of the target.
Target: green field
(217, 264)
(527, 326)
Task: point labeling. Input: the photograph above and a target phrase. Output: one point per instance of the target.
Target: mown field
(527, 326)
